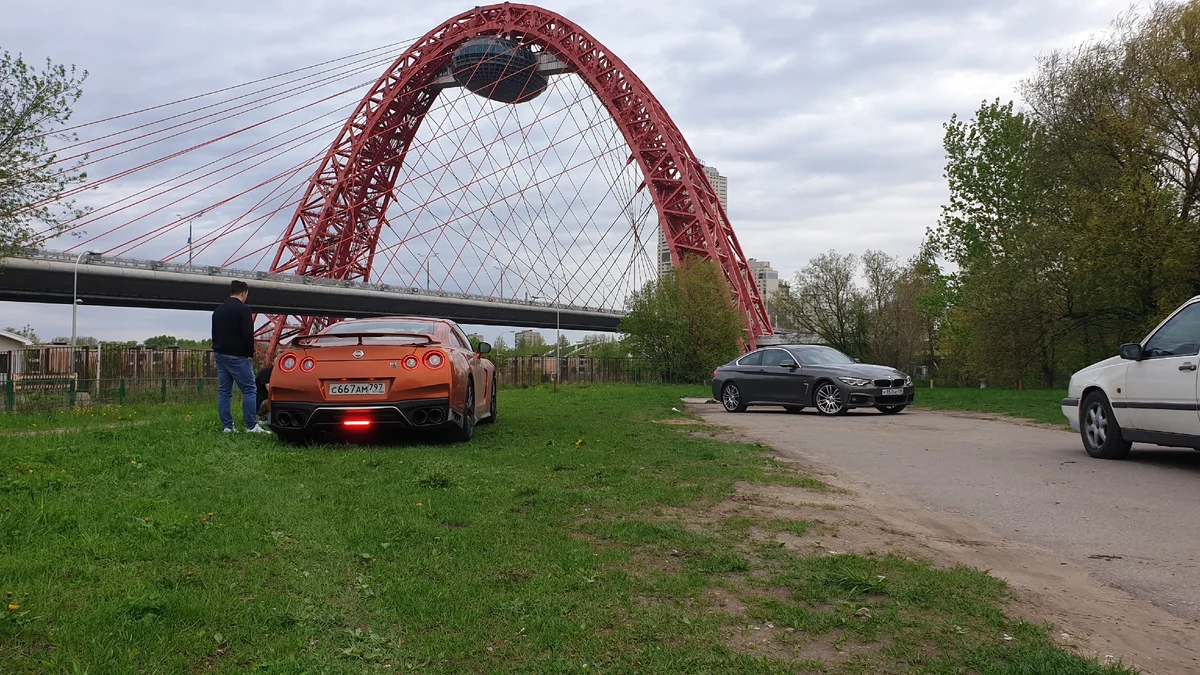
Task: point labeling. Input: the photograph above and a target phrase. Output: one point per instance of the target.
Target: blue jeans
(237, 369)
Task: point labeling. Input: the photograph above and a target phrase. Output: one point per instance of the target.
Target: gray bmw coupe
(797, 376)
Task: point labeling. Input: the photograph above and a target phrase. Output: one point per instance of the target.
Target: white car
(1148, 394)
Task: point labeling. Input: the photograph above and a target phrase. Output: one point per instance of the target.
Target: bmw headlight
(855, 381)
(908, 380)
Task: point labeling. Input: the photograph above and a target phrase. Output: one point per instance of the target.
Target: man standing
(233, 344)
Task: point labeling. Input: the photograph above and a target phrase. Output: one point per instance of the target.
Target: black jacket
(233, 329)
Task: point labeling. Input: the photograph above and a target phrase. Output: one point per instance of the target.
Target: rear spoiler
(306, 340)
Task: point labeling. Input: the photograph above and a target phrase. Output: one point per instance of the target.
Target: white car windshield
(816, 355)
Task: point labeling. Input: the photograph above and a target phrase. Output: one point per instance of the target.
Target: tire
(466, 432)
(491, 418)
(891, 409)
(1099, 429)
(829, 400)
(731, 398)
(793, 409)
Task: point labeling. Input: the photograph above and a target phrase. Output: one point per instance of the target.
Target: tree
(896, 332)
(184, 343)
(27, 332)
(80, 341)
(162, 341)
(32, 179)
(824, 299)
(683, 322)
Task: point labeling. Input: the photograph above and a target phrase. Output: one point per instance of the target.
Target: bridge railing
(233, 273)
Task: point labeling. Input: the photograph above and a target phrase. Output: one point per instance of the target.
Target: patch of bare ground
(975, 415)
(680, 421)
(1091, 618)
(807, 653)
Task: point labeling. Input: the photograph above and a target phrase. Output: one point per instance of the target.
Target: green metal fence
(51, 393)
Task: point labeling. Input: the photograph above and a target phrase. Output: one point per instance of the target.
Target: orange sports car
(382, 375)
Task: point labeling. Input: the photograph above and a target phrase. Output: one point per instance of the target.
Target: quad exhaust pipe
(287, 419)
(425, 416)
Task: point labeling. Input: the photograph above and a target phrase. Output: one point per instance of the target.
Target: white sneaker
(230, 430)
(258, 429)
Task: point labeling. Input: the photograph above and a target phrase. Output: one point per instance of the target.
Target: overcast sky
(825, 116)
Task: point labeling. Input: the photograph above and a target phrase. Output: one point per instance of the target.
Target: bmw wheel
(1101, 434)
(829, 399)
(731, 398)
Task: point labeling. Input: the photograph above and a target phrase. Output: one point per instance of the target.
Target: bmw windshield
(816, 355)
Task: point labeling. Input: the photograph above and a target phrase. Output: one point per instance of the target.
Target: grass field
(1039, 405)
(564, 539)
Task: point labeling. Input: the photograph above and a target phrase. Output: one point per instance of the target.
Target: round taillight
(411, 363)
(434, 359)
(308, 364)
(288, 363)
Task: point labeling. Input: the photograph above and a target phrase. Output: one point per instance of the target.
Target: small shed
(12, 342)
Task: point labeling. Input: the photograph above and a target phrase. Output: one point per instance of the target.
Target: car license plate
(892, 392)
(357, 389)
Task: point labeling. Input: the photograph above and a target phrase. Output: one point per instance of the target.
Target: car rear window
(390, 327)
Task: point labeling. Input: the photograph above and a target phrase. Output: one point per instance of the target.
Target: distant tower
(721, 186)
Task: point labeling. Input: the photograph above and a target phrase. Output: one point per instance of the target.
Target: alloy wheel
(829, 399)
(1095, 425)
(731, 397)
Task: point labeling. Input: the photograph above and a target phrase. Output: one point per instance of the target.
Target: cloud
(825, 116)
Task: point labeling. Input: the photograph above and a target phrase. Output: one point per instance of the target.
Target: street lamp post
(180, 216)
(434, 255)
(557, 339)
(75, 296)
(501, 268)
(75, 305)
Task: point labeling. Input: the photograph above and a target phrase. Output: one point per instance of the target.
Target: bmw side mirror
(857, 360)
(788, 364)
(1131, 352)
(484, 348)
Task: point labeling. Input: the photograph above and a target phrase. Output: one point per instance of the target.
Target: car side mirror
(1131, 352)
(788, 364)
(484, 348)
(857, 360)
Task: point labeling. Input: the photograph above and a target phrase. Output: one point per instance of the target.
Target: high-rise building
(721, 187)
(765, 277)
(529, 338)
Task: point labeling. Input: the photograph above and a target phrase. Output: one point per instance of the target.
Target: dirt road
(1026, 502)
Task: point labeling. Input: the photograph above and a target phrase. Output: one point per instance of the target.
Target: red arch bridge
(503, 165)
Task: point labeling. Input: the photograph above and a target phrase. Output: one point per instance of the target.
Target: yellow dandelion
(418, 505)
(579, 442)
(210, 515)
(147, 519)
(12, 607)
(185, 517)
